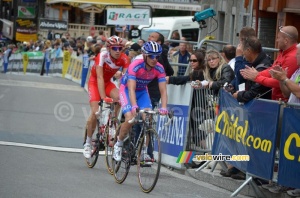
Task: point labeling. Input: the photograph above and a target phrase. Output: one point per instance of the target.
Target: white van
(167, 25)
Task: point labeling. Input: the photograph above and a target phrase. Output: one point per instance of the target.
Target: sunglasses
(153, 56)
(280, 29)
(116, 48)
(193, 60)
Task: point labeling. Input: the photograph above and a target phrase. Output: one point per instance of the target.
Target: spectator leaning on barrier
(287, 40)
(58, 51)
(290, 88)
(217, 71)
(259, 60)
(197, 64)
(6, 55)
(181, 56)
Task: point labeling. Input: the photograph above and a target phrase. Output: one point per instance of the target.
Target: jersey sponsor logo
(136, 68)
(143, 81)
(159, 69)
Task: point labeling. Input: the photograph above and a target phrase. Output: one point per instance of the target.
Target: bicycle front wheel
(148, 170)
(91, 162)
(121, 168)
(109, 143)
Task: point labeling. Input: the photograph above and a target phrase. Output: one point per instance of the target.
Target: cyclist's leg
(112, 91)
(92, 120)
(126, 110)
(144, 102)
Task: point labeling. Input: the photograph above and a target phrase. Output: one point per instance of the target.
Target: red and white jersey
(110, 66)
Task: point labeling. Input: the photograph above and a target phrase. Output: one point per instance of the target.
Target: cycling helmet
(114, 41)
(151, 48)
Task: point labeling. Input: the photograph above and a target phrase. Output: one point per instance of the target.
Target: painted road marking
(40, 85)
(50, 148)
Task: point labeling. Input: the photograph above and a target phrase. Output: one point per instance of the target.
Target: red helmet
(114, 41)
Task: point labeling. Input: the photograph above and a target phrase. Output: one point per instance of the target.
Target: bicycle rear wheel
(109, 143)
(91, 162)
(121, 168)
(148, 172)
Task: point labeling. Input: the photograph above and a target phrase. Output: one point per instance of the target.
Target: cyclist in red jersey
(100, 86)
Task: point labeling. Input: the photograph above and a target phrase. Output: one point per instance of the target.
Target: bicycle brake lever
(170, 118)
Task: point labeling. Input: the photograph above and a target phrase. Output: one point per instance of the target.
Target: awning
(170, 6)
(95, 2)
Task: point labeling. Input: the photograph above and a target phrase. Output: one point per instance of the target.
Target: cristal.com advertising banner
(289, 160)
(248, 129)
(121, 16)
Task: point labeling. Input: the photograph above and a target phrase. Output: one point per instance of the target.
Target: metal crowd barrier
(202, 116)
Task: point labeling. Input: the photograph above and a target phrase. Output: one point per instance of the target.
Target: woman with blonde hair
(217, 71)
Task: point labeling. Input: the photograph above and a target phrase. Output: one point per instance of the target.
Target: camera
(229, 88)
(201, 16)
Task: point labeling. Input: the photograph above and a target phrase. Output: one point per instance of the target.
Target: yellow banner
(26, 37)
(66, 62)
(25, 62)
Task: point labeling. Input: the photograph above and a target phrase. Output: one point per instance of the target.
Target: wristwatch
(284, 81)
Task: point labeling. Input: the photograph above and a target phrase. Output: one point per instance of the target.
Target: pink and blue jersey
(137, 71)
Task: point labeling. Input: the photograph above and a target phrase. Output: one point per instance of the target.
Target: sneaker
(87, 150)
(117, 153)
(279, 189)
(294, 193)
(268, 186)
(146, 159)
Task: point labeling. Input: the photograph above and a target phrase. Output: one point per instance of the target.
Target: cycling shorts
(142, 97)
(94, 92)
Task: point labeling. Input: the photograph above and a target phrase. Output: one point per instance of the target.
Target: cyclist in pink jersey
(134, 92)
(100, 87)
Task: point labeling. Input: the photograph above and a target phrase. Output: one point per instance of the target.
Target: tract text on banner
(248, 129)
(289, 160)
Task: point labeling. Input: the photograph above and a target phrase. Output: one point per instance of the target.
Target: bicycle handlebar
(153, 112)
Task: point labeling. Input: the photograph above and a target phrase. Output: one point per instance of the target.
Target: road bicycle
(103, 140)
(133, 152)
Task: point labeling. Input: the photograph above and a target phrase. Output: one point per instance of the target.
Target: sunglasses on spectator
(116, 48)
(153, 56)
(212, 59)
(280, 29)
(193, 60)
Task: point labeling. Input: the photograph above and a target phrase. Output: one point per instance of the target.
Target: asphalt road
(41, 128)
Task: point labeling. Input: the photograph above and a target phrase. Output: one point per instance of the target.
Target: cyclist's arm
(124, 71)
(163, 92)
(131, 84)
(100, 81)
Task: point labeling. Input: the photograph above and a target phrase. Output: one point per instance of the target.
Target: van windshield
(147, 32)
